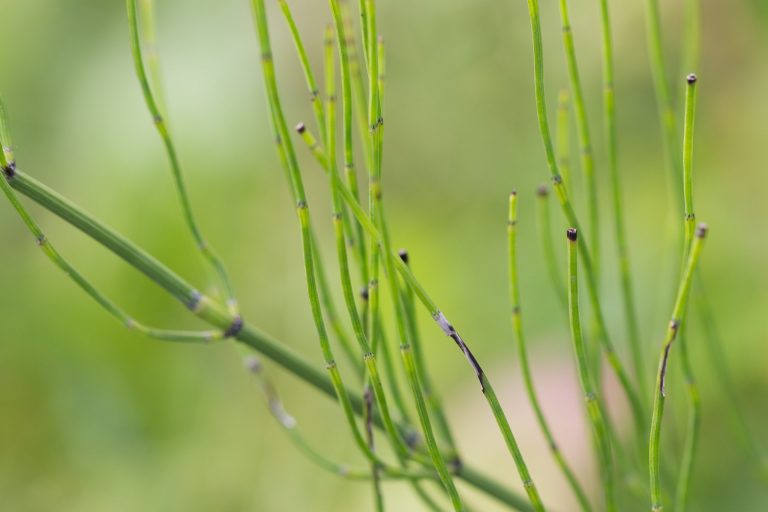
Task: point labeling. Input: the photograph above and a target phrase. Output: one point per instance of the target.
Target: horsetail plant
(420, 449)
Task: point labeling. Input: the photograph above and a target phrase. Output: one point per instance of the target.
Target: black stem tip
(513, 193)
(701, 230)
(542, 191)
(364, 293)
(691, 79)
(403, 253)
(572, 234)
(301, 128)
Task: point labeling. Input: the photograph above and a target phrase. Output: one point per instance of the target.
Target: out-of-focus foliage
(94, 418)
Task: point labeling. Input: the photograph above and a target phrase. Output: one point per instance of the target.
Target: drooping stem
(678, 317)
(593, 402)
(522, 350)
(163, 130)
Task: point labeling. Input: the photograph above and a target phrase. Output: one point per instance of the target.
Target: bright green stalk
(378, 496)
(162, 128)
(625, 277)
(217, 316)
(675, 324)
(375, 122)
(341, 251)
(302, 207)
(594, 408)
(148, 36)
(661, 86)
(585, 138)
(570, 215)
(433, 399)
(694, 414)
(309, 77)
(564, 136)
(544, 226)
(517, 324)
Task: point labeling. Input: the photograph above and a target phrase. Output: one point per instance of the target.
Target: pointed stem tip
(691, 79)
(301, 128)
(572, 234)
(403, 253)
(701, 230)
(542, 191)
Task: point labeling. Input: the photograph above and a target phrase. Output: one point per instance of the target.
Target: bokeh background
(95, 418)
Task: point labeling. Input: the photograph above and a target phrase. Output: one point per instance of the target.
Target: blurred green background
(95, 418)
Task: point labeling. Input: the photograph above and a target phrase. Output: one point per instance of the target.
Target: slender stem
(625, 277)
(678, 317)
(593, 403)
(433, 399)
(162, 128)
(570, 215)
(585, 138)
(544, 225)
(661, 87)
(218, 317)
(517, 324)
(378, 497)
(564, 136)
(694, 401)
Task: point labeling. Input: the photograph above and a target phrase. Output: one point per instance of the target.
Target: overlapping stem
(522, 350)
(675, 324)
(625, 277)
(163, 130)
(570, 215)
(585, 137)
(434, 402)
(564, 136)
(694, 402)
(594, 406)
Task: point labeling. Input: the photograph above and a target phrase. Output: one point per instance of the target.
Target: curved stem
(162, 128)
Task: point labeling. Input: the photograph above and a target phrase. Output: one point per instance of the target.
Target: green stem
(625, 277)
(564, 136)
(544, 226)
(678, 317)
(694, 401)
(585, 138)
(162, 128)
(517, 324)
(570, 215)
(594, 407)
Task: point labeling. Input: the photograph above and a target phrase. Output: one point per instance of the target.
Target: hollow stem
(517, 324)
(593, 403)
(544, 225)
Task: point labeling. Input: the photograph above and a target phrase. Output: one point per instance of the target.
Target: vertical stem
(678, 316)
(544, 226)
(694, 413)
(564, 136)
(517, 324)
(594, 407)
(585, 138)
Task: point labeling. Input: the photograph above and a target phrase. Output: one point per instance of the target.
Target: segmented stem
(517, 324)
(593, 403)
(675, 324)
(544, 225)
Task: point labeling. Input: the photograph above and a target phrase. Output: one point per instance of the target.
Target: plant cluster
(376, 405)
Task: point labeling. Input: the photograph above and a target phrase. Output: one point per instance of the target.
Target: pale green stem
(564, 136)
(544, 225)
